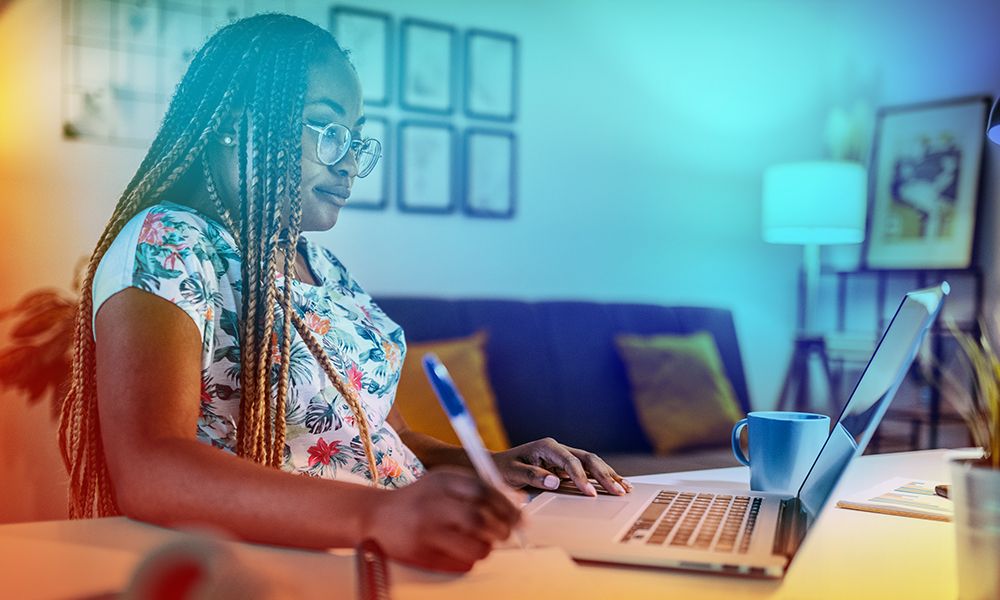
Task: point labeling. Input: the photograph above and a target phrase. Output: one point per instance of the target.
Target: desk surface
(848, 554)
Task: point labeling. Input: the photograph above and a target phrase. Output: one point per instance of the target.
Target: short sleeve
(168, 253)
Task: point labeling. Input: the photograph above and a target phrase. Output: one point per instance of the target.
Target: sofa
(555, 371)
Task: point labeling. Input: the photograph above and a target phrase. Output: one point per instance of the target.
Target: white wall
(643, 132)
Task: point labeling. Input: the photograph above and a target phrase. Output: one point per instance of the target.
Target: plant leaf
(982, 412)
(43, 320)
(15, 362)
(33, 301)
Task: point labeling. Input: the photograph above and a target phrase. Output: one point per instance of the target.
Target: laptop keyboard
(699, 521)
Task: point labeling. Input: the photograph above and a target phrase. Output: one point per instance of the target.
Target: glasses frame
(354, 145)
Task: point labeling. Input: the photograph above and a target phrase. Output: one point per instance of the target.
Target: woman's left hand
(537, 463)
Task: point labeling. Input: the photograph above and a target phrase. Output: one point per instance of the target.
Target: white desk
(849, 554)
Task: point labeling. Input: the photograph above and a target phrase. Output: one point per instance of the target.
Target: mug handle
(737, 450)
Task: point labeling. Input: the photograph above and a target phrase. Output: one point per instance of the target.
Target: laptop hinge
(791, 530)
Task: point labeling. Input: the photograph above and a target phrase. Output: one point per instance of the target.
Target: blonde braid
(290, 171)
(79, 430)
(262, 359)
(277, 448)
(250, 417)
(264, 444)
(345, 390)
(220, 208)
(269, 240)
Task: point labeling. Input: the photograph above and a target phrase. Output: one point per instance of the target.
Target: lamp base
(799, 393)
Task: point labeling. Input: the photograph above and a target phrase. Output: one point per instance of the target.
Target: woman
(183, 347)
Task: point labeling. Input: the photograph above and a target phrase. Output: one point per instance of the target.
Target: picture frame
(372, 192)
(924, 183)
(490, 173)
(426, 167)
(367, 35)
(427, 67)
(491, 75)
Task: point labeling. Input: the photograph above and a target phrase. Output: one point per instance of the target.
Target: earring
(226, 139)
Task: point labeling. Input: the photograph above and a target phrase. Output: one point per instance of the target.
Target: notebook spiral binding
(373, 571)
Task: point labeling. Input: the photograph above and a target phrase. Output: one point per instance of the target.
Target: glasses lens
(368, 155)
(333, 143)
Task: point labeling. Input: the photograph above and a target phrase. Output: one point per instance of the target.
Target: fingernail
(618, 487)
(550, 482)
(590, 489)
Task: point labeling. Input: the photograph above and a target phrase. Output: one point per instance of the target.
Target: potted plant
(38, 358)
(975, 486)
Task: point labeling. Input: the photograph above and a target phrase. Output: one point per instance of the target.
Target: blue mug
(783, 446)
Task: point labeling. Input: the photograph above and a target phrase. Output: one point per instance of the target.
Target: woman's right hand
(446, 520)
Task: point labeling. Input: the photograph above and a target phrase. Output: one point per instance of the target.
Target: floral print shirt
(178, 254)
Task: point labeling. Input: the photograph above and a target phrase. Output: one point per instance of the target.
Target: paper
(904, 497)
(505, 573)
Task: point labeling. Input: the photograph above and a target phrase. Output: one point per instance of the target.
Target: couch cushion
(465, 358)
(679, 389)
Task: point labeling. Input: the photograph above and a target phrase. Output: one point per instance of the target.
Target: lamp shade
(993, 130)
(821, 202)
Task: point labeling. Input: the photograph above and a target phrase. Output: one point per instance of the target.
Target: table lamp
(812, 203)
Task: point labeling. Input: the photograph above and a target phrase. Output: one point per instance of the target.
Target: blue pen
(465, 427)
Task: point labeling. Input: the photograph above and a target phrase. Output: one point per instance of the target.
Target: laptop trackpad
(582, 508)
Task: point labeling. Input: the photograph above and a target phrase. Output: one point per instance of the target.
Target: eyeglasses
(335, 140)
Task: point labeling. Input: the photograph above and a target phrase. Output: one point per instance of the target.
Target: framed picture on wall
(923, 185)
(372, 192)
(490, 167)
(426, 167)
(491, 72)
(427, 70)
(366, 34)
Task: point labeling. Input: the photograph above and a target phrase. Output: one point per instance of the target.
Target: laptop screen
(871, 397)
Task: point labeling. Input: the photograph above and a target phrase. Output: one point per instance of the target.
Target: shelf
(918, 412)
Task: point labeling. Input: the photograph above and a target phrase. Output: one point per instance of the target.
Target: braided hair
(259, 63)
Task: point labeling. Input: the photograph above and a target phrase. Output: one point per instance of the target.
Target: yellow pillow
(465, 359)
(680, 390)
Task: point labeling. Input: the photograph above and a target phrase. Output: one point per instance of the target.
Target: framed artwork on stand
(491, 73)
(426, 167)
(367, 36)
(372, 192)
(923, 185)
(427, 67)
(490, 173)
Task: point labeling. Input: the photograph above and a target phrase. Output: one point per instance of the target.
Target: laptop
(735, 531)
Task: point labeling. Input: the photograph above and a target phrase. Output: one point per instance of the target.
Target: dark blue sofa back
(554, 366)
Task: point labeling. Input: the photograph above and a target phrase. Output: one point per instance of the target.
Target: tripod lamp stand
(812, 203)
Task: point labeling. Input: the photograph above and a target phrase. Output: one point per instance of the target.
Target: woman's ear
(227, 131)
(222, 158)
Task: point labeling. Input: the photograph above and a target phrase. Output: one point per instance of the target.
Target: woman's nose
(348, 165)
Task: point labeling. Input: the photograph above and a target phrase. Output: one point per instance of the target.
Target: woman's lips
(337, 194)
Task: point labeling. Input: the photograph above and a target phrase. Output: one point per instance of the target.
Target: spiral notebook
(904, 497)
